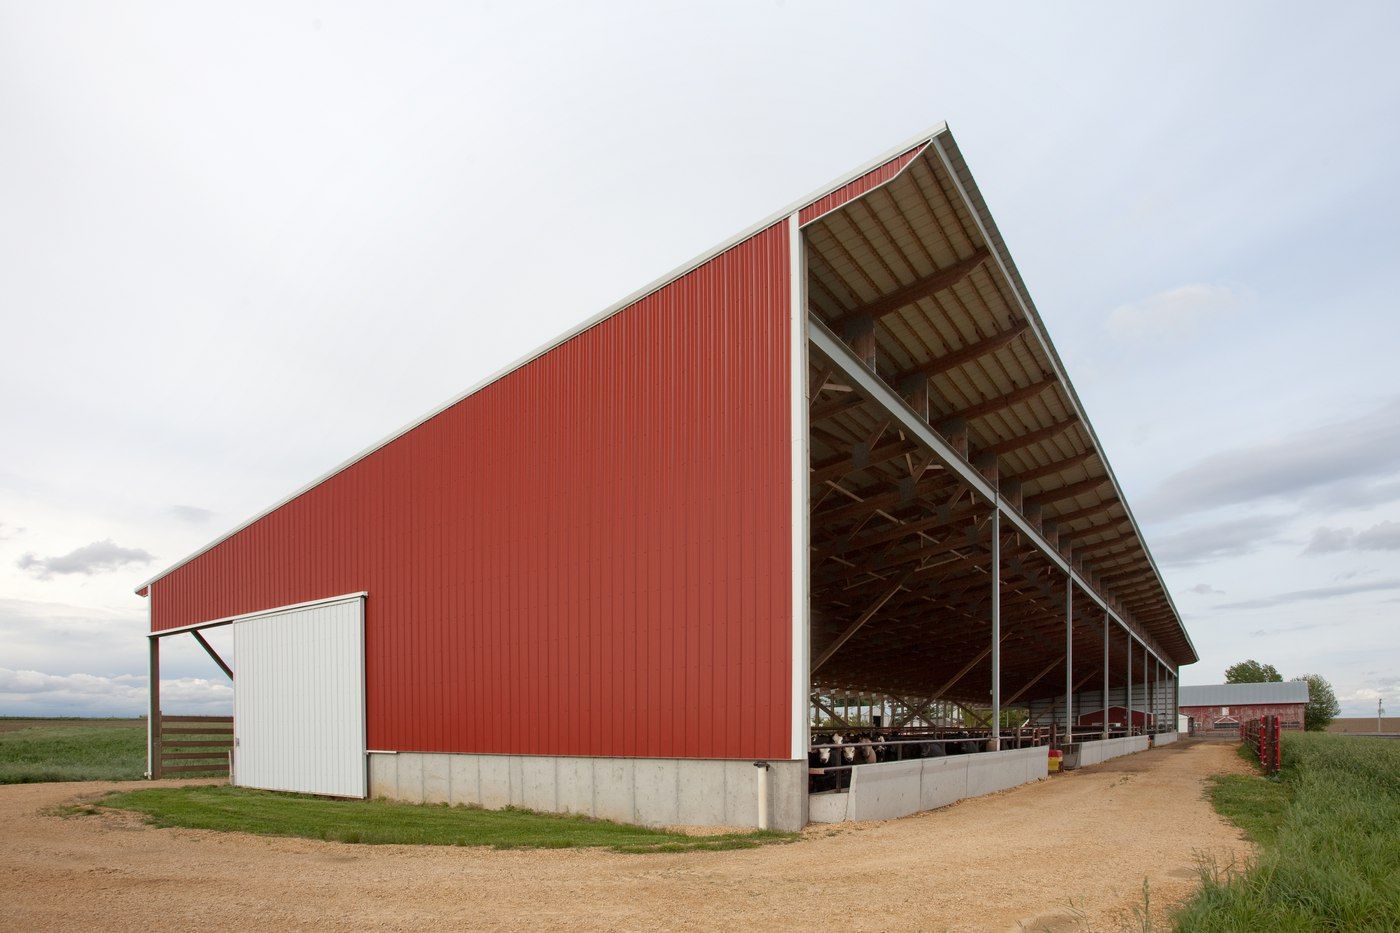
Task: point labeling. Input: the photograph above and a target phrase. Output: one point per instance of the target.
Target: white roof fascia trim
(777, 217)
(227, 620)
(1037, 328)
(834, 349)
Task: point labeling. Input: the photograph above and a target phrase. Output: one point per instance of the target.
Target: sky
(239, 244)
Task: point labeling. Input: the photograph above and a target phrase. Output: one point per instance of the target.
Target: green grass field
(36, 750)
(1329, 834)
(382, 822)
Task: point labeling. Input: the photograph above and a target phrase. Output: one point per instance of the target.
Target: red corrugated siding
(1205, 715)
(852, 190)
(590, 556)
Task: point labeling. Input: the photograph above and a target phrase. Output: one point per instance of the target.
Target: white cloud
(1173, 314)
(1330, 540)
(1205, 589)
(1337, 462)
(1233, 538)
(39, 694)
(97, 557)
(192, 514)
(1384, 536)
(1313, 595)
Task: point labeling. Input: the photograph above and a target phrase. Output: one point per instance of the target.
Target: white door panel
(299, 700)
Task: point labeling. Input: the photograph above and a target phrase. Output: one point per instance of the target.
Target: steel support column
(1103, 731)
(994, 743)
(1069, 659)
(1146, 699)
(1128, 686)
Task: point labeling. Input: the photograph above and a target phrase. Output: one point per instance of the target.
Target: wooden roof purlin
(932, 375)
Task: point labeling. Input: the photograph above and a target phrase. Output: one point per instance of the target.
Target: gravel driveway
(1086, 838)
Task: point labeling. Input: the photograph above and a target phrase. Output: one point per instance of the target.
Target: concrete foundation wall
(1164, 738)
(898, 788)
(1091, 753)
(650, 791)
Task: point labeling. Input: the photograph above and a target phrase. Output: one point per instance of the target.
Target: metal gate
(299, 700)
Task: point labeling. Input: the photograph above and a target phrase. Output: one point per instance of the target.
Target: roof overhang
(918, 254)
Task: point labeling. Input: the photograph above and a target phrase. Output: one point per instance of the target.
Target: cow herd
(833, 754)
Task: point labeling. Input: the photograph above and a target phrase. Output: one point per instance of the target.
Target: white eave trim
(227, 620)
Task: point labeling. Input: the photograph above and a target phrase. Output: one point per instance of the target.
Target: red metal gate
(1265, 737)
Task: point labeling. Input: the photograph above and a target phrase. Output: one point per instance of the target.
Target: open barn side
(980, 592)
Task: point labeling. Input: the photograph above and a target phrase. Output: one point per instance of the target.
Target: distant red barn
(1117, 716)
(1222, 707)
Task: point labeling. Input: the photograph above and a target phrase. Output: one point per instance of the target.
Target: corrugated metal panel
(589, 556)
(1288, 691)
(299, 701)
(865, 183)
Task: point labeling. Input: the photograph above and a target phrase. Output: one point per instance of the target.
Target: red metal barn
(1220, 708)
(1118, 718)
(836, 455)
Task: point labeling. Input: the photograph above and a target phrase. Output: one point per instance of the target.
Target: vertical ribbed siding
(589, 556)
(854, 189)
(298, 701)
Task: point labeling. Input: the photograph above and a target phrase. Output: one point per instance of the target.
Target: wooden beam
(856, 625)
(1075, 515)
(858, 330)
(962, 671)
(841, 720)
(1033, 681)
(1057, 466)
(153, 750)
(1068, 491)
(997, 403)
(837, 407)
(1113, 524)
(914, 388)
(969, 353)
(1031, 437)
(837, 467)
(212, 653)
(919, 289)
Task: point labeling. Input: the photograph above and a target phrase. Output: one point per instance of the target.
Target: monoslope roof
(981, 341)
(1288, 691)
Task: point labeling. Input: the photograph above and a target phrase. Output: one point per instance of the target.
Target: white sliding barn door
(299, 700)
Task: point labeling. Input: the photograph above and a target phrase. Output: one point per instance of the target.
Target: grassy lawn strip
(1252, 802)
(69, 750)
(1329, 835)
(381, 822)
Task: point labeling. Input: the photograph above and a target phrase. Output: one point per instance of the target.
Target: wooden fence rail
(203, 746)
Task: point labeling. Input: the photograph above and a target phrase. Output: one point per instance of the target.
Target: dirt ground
(1062, 854)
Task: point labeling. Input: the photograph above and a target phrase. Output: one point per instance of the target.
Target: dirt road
(1086, 838)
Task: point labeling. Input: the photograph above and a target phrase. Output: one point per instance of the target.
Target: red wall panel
(1290, 713)
(589, 556)
(852, 190)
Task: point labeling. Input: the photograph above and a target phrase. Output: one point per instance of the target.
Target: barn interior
(971, 550)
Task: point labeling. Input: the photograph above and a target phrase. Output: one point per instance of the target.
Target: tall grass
(1329, 833)
(71, 750)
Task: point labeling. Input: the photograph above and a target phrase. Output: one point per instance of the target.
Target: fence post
(156, 750)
